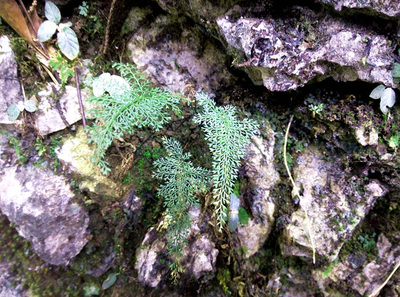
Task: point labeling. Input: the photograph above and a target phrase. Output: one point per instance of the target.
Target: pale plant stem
(296, 190)
(376, 292)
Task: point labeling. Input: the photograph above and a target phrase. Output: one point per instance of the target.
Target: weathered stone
(388, 7)
(149, 270)
(365, 279)
(75, 154)
(262, 178)
(333, 204)
(7, 287)
(175, 54)
(200, 256)
(10, 88)
(56, 114)
(198, 260)
(284, 55)
(41, 205)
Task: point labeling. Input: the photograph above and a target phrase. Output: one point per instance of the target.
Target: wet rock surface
(41, 205)
(287, 54)
(387, 7)
(334, 203)
(175, 53)
(198, 260)
(10, 88)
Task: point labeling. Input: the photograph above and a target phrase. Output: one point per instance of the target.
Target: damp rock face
(262, 177)
(198, 260)
(57, 110)
(390, 8)
(362, 276)
(41, 206)
(335, 202)
(74, 154)
(10, 88)
(285, 55)
(174, 53)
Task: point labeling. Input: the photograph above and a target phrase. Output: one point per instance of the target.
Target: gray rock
(333, 204)
(388, 7)
(200, 256)
(262, 178)
(56, 114)
(173, 53)
(7, 288)
(198, 260)
(41, 205)
(74, 154)
(10, 88)
(149, 270)
(365, 279)
(281, 56)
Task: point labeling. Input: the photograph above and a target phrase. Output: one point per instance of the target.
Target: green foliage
(66, 37)
(64, 68)
(83, 9)
(228, 138)
(367, 241)
(393, 141)
(14, 110)
(124, 104)
(15, 142)
(243, 216)
(181, 182)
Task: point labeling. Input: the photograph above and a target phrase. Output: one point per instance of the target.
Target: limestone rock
(10, 88)
(333, 204)
(174, 54)
(199, 255)
(262, 178)
(74, 154)
(388, 7)
(41, 205)
(56, 114)
(284, 55)
(366, 278)
(149, 269)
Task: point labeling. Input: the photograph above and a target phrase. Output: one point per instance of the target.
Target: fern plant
(228, 138)
(123, 105)
(181, 183)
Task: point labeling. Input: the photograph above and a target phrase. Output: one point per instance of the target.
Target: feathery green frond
(125, 104)
(228, 138)
(181, 182)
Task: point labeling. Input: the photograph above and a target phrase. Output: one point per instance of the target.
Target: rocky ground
(69, 230)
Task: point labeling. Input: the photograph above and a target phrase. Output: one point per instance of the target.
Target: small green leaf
(394, 141)
(30, 105)
(68, 43)
(388, 99)
(109, 281)
(52, 12)
(377, 92)
(396, 70)
(13, 112)
(243, 216)
(46, 30)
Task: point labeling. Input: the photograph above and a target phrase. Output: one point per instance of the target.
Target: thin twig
(108, 27)
(376, 292)
(46, 54)
(78, 91)
(296, 190)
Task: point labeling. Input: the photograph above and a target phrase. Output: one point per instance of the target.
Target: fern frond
(181, 183)
(138, 107)
(228, 138)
